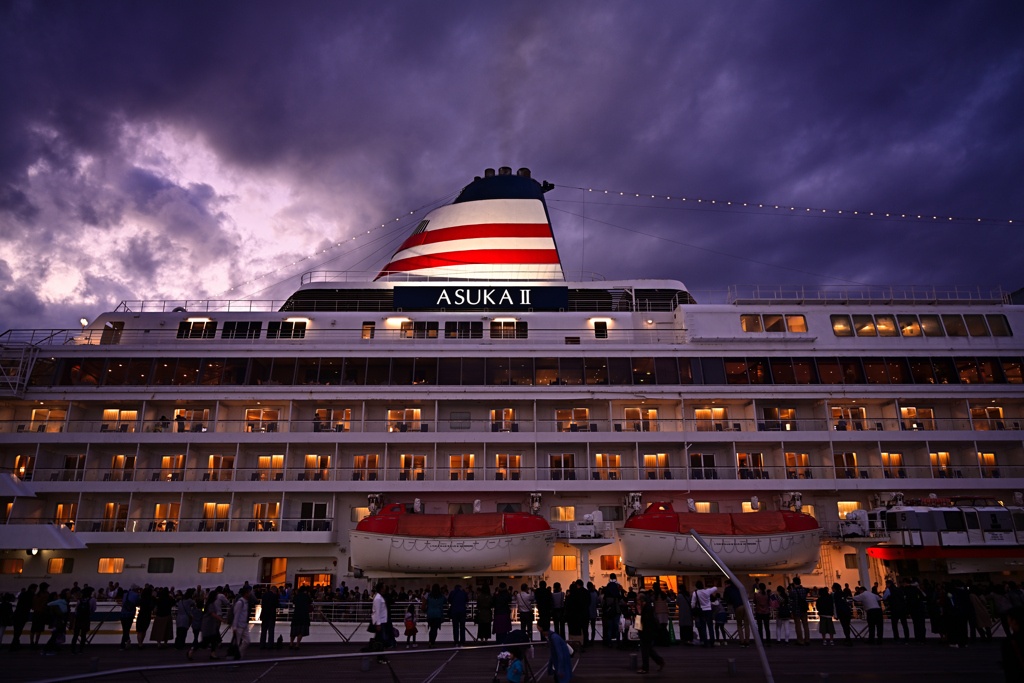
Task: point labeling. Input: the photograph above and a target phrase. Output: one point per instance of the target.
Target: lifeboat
(658, 541)
(394, 542)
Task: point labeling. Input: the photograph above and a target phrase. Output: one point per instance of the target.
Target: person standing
(502, 613)
(594, 602)
(210, 628)
(558, 609)
(302, 604)
(457, 602)
(733, 598)
(611, 609)
(545, 607)
(163, 627)
(39, 614)
(22, 612)
(981, 621)
(763, 614)
(186, 605)
(268, 617)
(58, 608)
(142, 621)
(379, 616)
(783, 613)
(650, 628)
(896, 600)
(660, 603)
(240, 621)
(872, 607)
(199, 602)
(917, 608)
(129, 603)
(484, 614)
(798, 605)
(524, 605)
(826, 611)
(700, 605)
(435, 613)
(843, 611)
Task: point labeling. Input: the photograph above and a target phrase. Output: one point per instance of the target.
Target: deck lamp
(84, 323)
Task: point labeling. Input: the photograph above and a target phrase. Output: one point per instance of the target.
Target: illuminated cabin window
(761, 505)
(864, 326)
(846, 465)
(909, 326)
(264, 516)
(987, 462)
(796, 323)
(563, 563)
(940, 464)
(610, 563)
(886, 326)
(847, 506)
(211, 565)
(11, 566)
(915, 419)
(641, 419)
(656, 466)
(573, 419)
(773, 322)
(502, 420)
(359, 514)
(506, 466)
(563, 513)
(460, 467)
(419, 329)
(988, 418)
(841, 326)
(931, 326)
(797, 466)
(711, 419)
(751, 323)
(892, 466)
(364, 467)
(369, 327)
(66, 514)
(60, 565)
(404, 420)
(706, 507)
(808, 510)
(110, 565)
(607, 466)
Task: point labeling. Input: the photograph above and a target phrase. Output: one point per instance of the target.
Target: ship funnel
(505, 170)
(488, 173)
(523, 172)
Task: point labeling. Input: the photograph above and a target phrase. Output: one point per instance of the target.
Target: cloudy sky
(177, 149)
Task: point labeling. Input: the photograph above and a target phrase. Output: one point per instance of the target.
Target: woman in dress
(145, 616)
(302, 603)
(484, 614)
(163, 629)
(502, 612)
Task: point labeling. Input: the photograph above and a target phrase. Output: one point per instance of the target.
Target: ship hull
(659, 553)
(385, 555)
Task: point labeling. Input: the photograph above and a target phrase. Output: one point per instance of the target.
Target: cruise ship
(475, 413)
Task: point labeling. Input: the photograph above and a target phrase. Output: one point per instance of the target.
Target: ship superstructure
(247, 440)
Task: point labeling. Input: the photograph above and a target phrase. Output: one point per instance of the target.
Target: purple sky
(170, 150)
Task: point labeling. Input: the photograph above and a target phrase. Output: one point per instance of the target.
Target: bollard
(94, 665)
(731, 667)
(366, 664)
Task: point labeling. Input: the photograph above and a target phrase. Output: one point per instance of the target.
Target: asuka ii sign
(456, 297)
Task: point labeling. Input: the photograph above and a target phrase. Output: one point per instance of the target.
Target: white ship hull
(383, 555)
(658, 553)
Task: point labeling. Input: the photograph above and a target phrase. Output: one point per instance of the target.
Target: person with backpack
(58, 618)
(783, 613)
(799, 607)
(611, 597)
(83, 619)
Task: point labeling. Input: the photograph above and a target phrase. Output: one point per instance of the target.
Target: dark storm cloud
(366, 111)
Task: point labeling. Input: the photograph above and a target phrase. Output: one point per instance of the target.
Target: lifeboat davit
(658, 541)
(394, 542)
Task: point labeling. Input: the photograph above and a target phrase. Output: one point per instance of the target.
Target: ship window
(160, 565)
(425, 373)
(404, 420)
(460, 467)
(610, 563)
(611, 513)
(998, 324)
(758, 372)
(990, 370)
(706, 507)
(931, 326)
(774, 323)
(782, 371)
(369, 328)
(547, 371)
(686, 370)
(187, 372)
(643, 371)
(359, 514)
(401, 371)
(110, 565)
(954, 520)
(841, 326)
(666, 371)
(11, 566)
(570, 371)
(899, 373)
(44, 372)
(242, 330)
(711, 419)
(330, 371)
(286, 330)
(60, 565)
(563, 513)
(378, 371)
(521, 371)
(864, 325)
(909, 327)
(596, 370)
(830, 371)
(641, 419)
(308, 369)
(750, 323)
(502, 420)
(211, 565)
(472, 372)
(968, 371)
(355, 372)
(845, 468)
(805, 371)
(955, 325)
(747, 507)
(364, 467)
(796, 323)
(987, 462)
(506, 467)
(945, 371)
(418, 329)
(847, 506)
(563, 563)
(852, 371)
(976, 325)
(283, 372)
(199, 329)
(510, 508)
(851, 560)
(620, 371)
(497, 372)
(600, 329)
(573, 419)
(606, 466)
(563, 466)
(117, 372)
(1013, 370)
(886, 326)
(875, 372)
(449, 371)
(460, 508)
(736, 370)
(463, 330)
(509, 329)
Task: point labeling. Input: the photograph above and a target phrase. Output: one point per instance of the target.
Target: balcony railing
(174, 525)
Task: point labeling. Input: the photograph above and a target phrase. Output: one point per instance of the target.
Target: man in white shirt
(379, 615)
(524, 604)
(240, 620)
(872, 606)
(700, 605)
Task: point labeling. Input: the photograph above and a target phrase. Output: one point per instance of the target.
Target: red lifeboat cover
(755, 523)
(662, 517)
(394, 521)
(706, 523)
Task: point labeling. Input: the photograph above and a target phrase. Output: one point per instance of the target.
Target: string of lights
(697, 203)
(371, 231)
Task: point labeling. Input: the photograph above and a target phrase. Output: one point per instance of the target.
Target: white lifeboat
(658, 541)
(396, 543)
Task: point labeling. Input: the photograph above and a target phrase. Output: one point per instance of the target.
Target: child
(721, 618)
(410, 627)
(515, 667)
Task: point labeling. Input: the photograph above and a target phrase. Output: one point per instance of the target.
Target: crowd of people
(955, 612)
